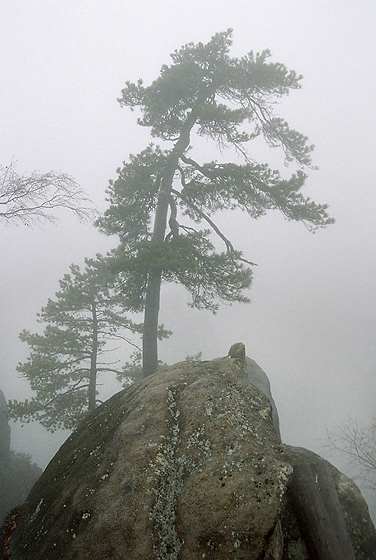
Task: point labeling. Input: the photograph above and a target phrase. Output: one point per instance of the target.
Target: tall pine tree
(229, 100)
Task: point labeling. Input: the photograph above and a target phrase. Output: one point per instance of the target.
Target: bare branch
(117, 335)
(72, 389)
(29, 200)
(109, 369)
(227, 242)
(358, 445)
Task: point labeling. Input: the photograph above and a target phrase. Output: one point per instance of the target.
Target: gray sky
(311, 324)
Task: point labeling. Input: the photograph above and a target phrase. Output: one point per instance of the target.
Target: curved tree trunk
(153, 289)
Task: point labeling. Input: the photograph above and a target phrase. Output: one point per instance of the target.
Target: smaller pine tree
(66, 359)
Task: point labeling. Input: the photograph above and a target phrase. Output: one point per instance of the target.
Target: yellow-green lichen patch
(169, 482)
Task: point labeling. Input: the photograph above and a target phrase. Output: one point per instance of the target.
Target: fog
(311, 324)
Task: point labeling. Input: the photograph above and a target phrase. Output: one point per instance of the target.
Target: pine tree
(231, 101)
(66, 360)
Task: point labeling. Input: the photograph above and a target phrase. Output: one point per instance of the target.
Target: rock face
(183, 465)
(17, 473)
(4, 429)
(257, 377)
(260, 380)
(354, 507)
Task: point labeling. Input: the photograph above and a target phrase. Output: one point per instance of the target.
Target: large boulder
(183, 465)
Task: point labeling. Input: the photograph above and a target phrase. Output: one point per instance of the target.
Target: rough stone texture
(185, 464)
(257, 377)
(260, 380)
(359, 524)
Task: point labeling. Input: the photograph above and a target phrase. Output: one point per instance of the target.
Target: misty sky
(311, 324)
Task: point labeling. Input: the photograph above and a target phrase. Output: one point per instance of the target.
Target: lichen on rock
(183, 465)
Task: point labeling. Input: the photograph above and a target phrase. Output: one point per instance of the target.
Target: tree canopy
(66, 360)
(231, 101)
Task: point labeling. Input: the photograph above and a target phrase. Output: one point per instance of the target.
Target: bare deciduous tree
(30, 199)
(358, 444)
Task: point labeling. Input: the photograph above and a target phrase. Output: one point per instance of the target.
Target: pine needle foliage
(163, 203)
(66, 360)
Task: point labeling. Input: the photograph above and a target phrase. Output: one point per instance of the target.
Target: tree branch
(227, 242)
(72, 389)
(29, 199)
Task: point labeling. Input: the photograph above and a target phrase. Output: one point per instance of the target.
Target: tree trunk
(319, 513)
(150, 332)
(93, 360)
(153, 289)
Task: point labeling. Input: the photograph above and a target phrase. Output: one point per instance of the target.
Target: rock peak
(237, 352)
